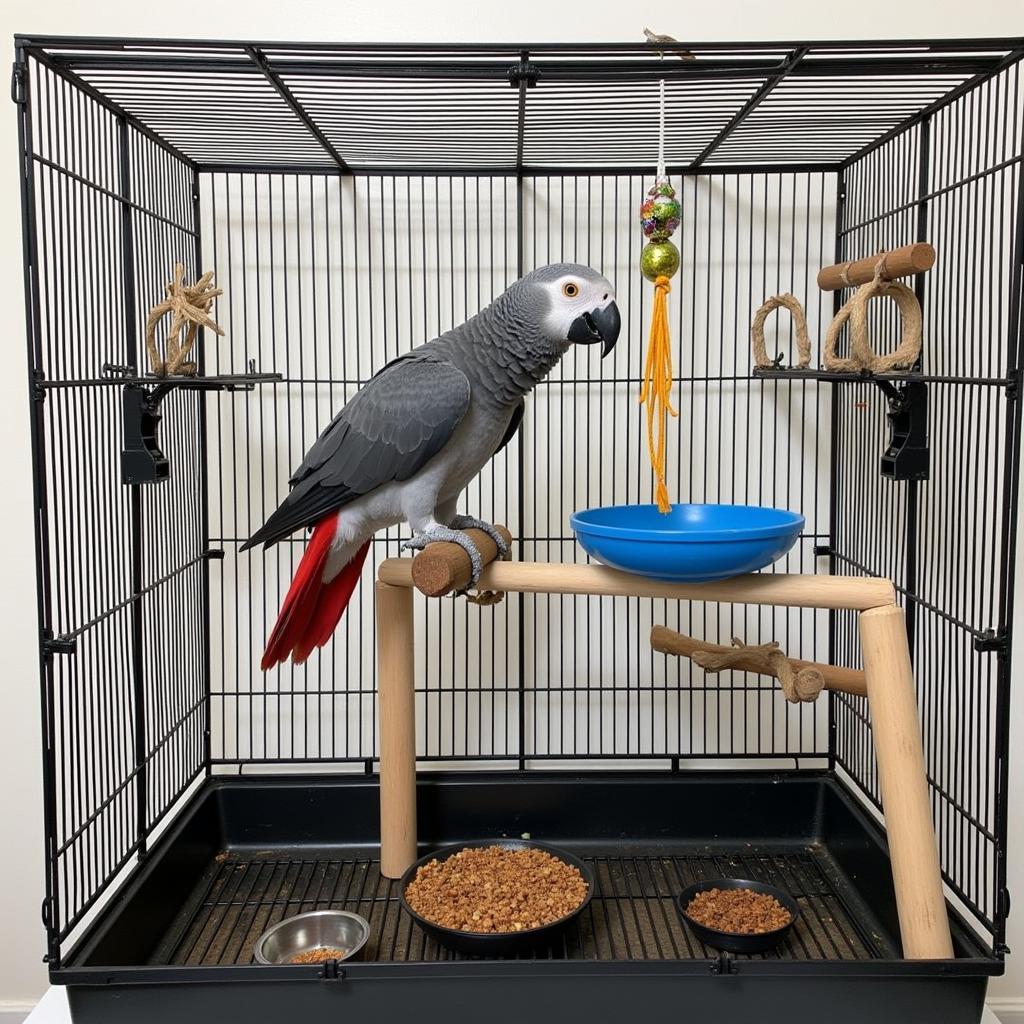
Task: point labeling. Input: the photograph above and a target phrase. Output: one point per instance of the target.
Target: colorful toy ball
(659, 217)
(660, 211)
(659, 259)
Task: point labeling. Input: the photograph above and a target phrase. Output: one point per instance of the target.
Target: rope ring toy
(906, 352)
(803, 344)
(862, 355)
(830, 360)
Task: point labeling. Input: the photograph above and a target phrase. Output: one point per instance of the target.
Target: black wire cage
(354, 201)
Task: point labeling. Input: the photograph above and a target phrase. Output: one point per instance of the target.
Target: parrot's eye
(570, 290)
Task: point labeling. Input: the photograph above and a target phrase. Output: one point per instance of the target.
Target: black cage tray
(177, 944)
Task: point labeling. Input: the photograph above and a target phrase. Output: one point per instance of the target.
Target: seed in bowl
(495, 889)
(740, 911)
(320, 955)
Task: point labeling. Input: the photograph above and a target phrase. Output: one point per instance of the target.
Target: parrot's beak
(599, 325)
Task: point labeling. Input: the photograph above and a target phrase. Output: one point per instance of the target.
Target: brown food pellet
(494, 889)
(320, 955)
(740, 911)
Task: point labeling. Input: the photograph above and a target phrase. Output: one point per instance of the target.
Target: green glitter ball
(659, 259)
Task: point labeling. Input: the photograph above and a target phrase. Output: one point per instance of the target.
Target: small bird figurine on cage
(663, 39)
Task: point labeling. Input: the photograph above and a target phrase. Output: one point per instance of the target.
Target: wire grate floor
(633, 915)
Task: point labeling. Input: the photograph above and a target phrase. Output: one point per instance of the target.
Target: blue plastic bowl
(692, 543)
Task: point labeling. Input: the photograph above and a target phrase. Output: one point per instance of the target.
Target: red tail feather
(312, 608)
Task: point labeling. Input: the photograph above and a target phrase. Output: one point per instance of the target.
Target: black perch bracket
(142, 459)
(906, 457)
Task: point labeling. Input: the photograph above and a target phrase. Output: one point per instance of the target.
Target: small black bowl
(496, 943)
(737, 942)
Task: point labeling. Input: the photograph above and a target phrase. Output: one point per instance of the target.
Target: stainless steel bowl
(304, 932)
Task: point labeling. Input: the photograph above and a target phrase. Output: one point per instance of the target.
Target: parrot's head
(578, 305)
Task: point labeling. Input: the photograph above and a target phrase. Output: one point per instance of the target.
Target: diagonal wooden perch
(800, 680)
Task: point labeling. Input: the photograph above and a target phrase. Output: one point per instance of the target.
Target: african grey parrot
(416, 434)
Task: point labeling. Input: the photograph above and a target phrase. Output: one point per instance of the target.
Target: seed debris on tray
(741, 911)
(495, 889)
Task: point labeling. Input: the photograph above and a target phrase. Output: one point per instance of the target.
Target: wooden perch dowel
(776, 588)
(835, 677)
(908, 259)
(444, 567)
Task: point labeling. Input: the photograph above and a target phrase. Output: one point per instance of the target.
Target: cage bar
(355, 200)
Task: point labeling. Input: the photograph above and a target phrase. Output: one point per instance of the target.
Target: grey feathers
(409, 411)
(390, 429)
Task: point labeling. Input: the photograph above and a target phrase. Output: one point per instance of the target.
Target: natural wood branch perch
(801, 680)
(444, 567)
(908, 259)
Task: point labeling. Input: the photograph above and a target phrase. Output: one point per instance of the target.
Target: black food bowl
(738, 942)
(496, 943)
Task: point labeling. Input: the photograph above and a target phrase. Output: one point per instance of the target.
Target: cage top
(526, 109)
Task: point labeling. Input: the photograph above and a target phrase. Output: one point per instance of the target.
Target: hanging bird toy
(659, 262)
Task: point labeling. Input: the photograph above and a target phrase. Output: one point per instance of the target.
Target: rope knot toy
(188, 304)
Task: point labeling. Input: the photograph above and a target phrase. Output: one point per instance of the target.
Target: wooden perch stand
(903, 262)
(887, 679)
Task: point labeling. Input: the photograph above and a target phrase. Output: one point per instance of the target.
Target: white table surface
(53, 1009)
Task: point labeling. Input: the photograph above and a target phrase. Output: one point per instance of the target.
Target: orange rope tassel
(657, 388)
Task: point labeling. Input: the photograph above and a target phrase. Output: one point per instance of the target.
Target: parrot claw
(443, 533)
(472, 523)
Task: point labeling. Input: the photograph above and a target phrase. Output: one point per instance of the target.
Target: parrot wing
(393, 426)
(513, 424)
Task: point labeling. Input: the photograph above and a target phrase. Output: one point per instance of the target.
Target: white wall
(21, 974)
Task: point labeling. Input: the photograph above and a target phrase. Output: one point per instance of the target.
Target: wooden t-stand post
(901, 774)
(396, 690)
(924, 926)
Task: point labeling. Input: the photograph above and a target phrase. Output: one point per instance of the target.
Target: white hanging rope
(661, 127)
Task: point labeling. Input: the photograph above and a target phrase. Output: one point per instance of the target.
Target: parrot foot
(472, 523)
(444, 533)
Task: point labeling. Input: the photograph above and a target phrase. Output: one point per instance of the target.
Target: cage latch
(524, 71)
(724, 964)
(906, 457)
(48, 912)
(330, 971)
(18, 94)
